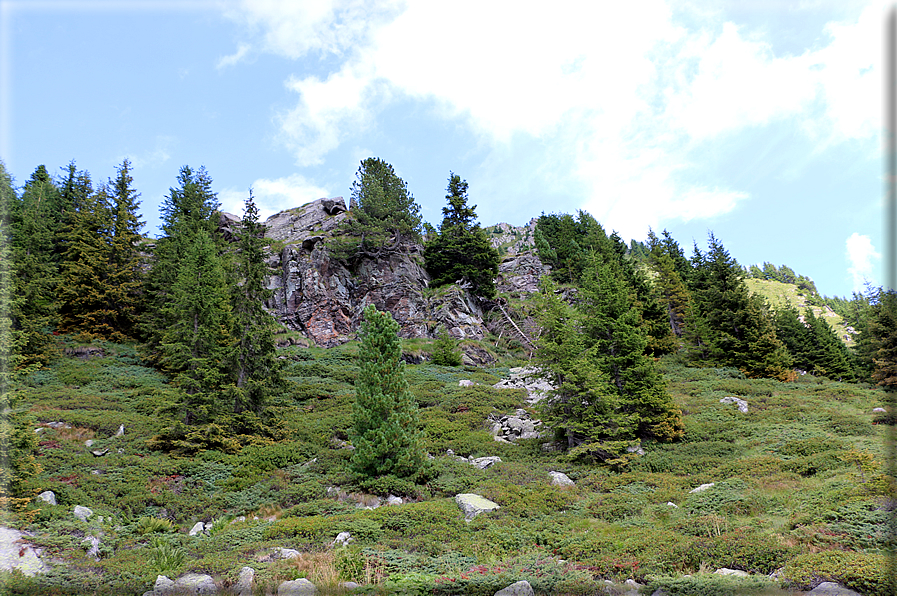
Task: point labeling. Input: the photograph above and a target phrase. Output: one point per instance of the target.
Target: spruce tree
(461, 250)
(385, 430)
(609, 393)
(257, 370)
(125, 281)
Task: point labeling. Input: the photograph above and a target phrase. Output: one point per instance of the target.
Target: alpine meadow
(343, 398)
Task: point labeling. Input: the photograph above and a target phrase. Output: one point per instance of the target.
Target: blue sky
(757, 120)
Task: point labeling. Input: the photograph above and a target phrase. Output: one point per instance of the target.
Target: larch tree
(461, 249)
(385, 430)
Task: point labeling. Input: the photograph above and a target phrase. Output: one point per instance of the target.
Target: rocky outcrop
(530, 379)
(17, 554)
(508, 429)
(519, 275)
(320, 298)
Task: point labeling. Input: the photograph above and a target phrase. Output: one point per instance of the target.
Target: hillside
(782, 294)
(790, 491)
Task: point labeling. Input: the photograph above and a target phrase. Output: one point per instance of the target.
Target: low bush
(869, 574)
(707, 584)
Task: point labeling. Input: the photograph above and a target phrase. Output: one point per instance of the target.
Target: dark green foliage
(866, 573)
(727, 325)
(385, 430)
(258, 372)
(672, 293)
(609, 393)
(383, 215)
(882, 330)
(813, 345)
(461, 250)
(125, 279)
(445, 350)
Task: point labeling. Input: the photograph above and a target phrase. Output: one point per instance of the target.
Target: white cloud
(862, 257)
(272, 196)
(151, 158)
(624, 92)
(232, 59)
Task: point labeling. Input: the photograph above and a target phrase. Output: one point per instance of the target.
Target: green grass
(800, 475)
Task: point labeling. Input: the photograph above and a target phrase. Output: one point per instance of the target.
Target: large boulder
(472, 505)
(245, 582)
(831, 589)
(191, 584)
(299, 587)
(521, 588)
(17, 554)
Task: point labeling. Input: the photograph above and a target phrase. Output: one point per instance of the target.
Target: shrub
(445, 350)
(151, 525)
(863, 572)
(614, 507)
(707, 584)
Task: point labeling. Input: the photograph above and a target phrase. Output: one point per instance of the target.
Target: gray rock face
(472, 505)
(521, 588)
(318, 297)
(15, 553)
(83, 513)
(48, 496)
(520, 274)
(299, 587)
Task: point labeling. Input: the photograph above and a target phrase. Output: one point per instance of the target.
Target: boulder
(17, 554)
(521, 588)
(194, 584)
(299, 587)
(465, 383)
(92, 546)
(702, 488)
(287, 553)
(733, 572)
(484, 462)
(530, 379)
(472, 505)
(245, 581)
(48, 496)
(83, 513)
(831, 589)
(742, 405)
(121, 430)
(197, 529)
(560, 479)
(343, 539)
(394, 500)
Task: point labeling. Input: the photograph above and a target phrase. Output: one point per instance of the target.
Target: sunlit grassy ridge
(798, 485)
(780, 294)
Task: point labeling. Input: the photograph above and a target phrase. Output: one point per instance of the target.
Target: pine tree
(609, 393)
(445, 350)
(383, 217)
(385, 430)
(33, 225)
(258, 372)
(125, 277)
(461, 250)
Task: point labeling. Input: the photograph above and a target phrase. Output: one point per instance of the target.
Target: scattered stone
(742, 405)
(83, 513)
(560, 479)
(194, 583)
(198, 528)
(734, 572)
(121, 430)
(348, 585)
(245, 580)
(394, 500)
(701, 488)
(88, 443)
(673, 505)
(15, 553)
(368, 502)
(521, 588)
(92, 545)
(287, 553)
(831, 589)
(465, 383)
(163, 586)
(485, 462)
(342, 539)
(48, 496)
(299, 587)
(633, 587)
(530, 379)
(508, 429)
(877, 410)
(58, 425)
(637, 449)
(100, 452)
(472, 505)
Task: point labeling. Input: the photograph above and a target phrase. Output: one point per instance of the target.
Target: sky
(758, 121)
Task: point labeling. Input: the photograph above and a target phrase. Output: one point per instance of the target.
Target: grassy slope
(782, 294)
(799, 473)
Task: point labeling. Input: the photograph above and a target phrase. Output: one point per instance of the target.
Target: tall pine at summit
(461, 250)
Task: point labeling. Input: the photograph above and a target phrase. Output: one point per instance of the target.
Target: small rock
(465, 383)
(521, 588)
(484, 462)
(88, 443)
(121, 430)
(48, 496)
(299, 587)
(343, 539)
(287, 553)
(348, 585)
(877, 410)
(100, 452)
(560, 479)
(394, 500)
(243, 587)
(735, 572)
(673, 505)
(742, 405)
(701, 488)
(472, 505)
(198, 528)
(163, 586)
(83, 513)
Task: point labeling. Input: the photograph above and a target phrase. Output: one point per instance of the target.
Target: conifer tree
(125, 279)
(385, 430)
(33, 225)
(257, 370)
(609, 393)
(383, 215)
(882, 329)
(670, 289)
(445, 350)
(461, 250)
